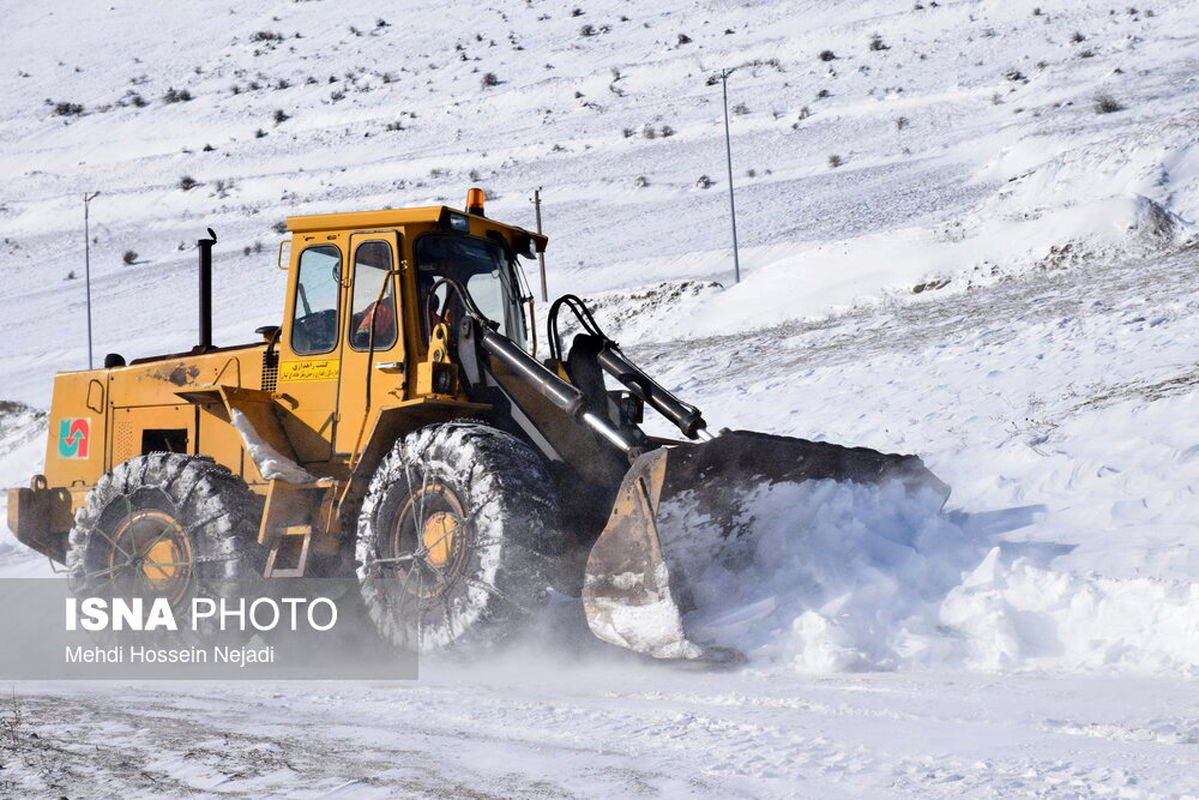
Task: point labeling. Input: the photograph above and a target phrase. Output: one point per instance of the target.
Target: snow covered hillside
(971, 138)
(969, 230)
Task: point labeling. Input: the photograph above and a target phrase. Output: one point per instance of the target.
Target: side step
(294, 514)
(288, 558)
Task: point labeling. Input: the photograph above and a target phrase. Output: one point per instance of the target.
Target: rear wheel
(457, 537)
(166, 525)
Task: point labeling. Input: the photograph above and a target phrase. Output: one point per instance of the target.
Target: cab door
(310, 347)
(372, 351)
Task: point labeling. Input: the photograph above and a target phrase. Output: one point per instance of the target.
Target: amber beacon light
(474, 202)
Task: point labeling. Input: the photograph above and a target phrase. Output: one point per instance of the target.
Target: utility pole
(87, 270)
(540, 256)
(728, 153)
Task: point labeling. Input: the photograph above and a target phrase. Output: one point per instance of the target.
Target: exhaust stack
(205, 246)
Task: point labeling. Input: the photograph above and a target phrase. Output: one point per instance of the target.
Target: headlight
(443, 379)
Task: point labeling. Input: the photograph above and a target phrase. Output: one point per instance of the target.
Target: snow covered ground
(528, 731)
(996, 272)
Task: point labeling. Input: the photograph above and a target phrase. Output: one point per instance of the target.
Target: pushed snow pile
(830, 576)
(823, 576)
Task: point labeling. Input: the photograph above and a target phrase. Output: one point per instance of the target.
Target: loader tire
(168, 525)
(458, 537)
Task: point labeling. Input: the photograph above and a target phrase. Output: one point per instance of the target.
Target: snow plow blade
(638, 584)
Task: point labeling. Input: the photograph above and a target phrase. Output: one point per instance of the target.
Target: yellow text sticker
(318, 370)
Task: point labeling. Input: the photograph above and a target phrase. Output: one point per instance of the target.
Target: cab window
(318, 284)
(482, 269)
(373, 298)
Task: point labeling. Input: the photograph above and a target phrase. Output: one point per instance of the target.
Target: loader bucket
(639, 578)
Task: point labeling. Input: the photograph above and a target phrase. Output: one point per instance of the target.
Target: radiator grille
(124, 447)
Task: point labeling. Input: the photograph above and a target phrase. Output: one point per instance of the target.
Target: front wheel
(457, 537)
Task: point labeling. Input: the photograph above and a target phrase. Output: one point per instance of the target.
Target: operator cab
(350, 280)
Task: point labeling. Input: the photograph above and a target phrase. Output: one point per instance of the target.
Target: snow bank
(644, 313)
(22, 442)
(1054, 206)
(22, 445)
(1019, 615)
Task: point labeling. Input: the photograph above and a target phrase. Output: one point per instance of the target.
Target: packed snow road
(540, 729)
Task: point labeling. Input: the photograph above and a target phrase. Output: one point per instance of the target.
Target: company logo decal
(73, 438)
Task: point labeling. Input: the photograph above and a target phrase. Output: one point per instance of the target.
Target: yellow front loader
(397, 426)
